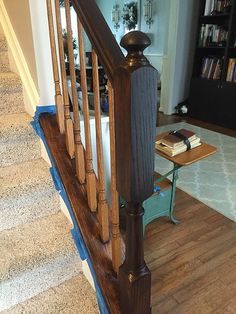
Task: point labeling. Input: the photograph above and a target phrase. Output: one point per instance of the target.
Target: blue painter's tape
(76, 234)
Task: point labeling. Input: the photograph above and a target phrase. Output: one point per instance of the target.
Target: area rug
(212, 180)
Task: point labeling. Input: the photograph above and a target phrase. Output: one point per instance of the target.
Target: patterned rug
(212, 180)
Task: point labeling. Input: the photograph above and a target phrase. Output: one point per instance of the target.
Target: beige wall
(19, 14)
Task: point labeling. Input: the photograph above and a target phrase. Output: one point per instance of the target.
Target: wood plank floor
(193, 265)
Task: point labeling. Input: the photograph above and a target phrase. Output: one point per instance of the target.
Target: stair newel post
(135, 87)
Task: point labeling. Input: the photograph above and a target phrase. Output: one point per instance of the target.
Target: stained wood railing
(132, 102)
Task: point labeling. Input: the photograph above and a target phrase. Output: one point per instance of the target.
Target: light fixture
(148, 13)
(116, 16)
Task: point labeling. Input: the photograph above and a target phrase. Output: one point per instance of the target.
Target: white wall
(40, 31)
(177, 64)
(158, 31)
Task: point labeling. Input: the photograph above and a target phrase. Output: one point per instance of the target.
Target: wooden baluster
(115, 224)
(69, 132)
(102, 202)
(58, 95)
(79, 149)
(90, 175)
(135, 88)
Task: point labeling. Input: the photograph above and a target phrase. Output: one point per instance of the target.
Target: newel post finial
(135, 88)
(135, 43)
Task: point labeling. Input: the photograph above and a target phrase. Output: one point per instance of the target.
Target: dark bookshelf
(214, 100)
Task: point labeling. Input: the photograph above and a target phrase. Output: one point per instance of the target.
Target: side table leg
(173, 191)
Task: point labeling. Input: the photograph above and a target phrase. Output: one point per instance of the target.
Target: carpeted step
(3, 43)
(4, 60)
(18, 140)
(26, 193)
(35, 257)
(11, 94)
(37, 280)
(73, 296)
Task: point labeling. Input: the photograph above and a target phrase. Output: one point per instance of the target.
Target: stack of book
(211, 68)
(173, 145)
(216, 7)
(212, 36)
(231, 73)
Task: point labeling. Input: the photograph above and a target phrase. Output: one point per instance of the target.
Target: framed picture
(131, 15)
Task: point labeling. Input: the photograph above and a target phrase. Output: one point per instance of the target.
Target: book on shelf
(214, 7)
(212, 36)
(211, 68)
(173, 144)
(231, 72)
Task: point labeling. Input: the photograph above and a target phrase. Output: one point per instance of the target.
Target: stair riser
(4, 62)
(11, 103)
(15, 153)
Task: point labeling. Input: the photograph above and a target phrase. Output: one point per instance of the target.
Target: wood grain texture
(135, 89)
(69, 131)
(90, 175)
(99, 253)
(186, 260)
(102, 202)
(79, 150)
(99, 34)
(58, 95)
(115, 228)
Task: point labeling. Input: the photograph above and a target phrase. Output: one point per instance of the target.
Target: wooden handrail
(100, 35)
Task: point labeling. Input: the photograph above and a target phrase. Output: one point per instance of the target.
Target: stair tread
(27, 177)
(3, 43)
(4, 61)
(18, 211)
(32, 244)
(15, 127)
(10, 82)
(73, 296)
(39, 279)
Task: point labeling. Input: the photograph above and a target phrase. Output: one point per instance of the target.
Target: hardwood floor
(193, 264)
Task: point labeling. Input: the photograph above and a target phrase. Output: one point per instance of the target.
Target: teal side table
(161, 203)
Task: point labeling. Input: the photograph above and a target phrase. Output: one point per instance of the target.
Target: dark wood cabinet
(214, 100)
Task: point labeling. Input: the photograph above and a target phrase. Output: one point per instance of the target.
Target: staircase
(40, 271)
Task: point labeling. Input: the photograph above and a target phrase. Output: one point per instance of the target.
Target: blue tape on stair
(76, 234)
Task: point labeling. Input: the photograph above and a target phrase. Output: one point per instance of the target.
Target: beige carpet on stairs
(40, 269)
